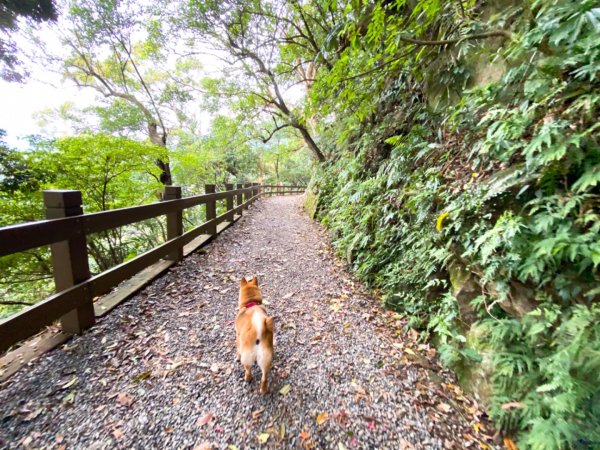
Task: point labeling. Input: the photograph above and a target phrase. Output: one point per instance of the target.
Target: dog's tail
(269, 324)
(264, 332)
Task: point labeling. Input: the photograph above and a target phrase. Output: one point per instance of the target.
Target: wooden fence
(66, 230)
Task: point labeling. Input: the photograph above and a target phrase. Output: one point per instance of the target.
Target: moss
(311, 201)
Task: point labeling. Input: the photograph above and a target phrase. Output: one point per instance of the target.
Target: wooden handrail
(21, 237)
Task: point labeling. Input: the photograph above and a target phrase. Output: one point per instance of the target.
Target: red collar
(251, 304)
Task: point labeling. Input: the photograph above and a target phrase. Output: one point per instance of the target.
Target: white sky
(21, 101)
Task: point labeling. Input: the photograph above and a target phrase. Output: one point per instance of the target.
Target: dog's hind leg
(264, 359)
(248, 376)
(247, 359)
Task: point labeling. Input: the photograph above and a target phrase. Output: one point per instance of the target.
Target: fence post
(211, 208)
(174, 222)
(247, 196)
(239, 198)
(229, 202)
(70, 259)
(255, 192)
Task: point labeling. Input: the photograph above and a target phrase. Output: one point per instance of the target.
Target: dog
(254, 332)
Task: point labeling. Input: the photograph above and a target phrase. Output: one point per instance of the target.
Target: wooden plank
(130, 286)
(70, 258)
(13, 361)
(196, 243)
(25, 236)
(32, 319)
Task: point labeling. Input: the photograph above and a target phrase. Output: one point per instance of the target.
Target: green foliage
(500, 179)
(112, 172)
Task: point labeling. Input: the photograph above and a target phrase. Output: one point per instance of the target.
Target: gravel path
(159, 372)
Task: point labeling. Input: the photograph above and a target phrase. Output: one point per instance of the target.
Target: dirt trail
(159, 372)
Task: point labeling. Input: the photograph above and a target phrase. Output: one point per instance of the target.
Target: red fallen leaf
(218, 429)
(204, 419)
(511, 405)
(125, 399)
(371, 425)
(304, 436)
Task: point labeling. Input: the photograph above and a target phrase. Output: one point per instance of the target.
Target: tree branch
(280, 127)
(494, 33)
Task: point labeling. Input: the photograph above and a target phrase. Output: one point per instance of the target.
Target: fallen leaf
(444, 407)
(304, 436)
(341, 446)
(263, 437)
(204, 419)
(509, 444)
(125, 399)
(322, 418)
(203, 446)
(232, 447)
(33, 414)
(511, 405)
(142, 376)
(282, 431)
(284, 390)
(58, 438)
(69, 398)
(69, 384)
(118, 434)
(286, 296)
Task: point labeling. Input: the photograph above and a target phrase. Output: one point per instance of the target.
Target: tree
(114, 48)
(33, 11)
(249, 35)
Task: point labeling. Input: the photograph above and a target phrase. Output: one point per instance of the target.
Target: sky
(43, 90)
(20, 101)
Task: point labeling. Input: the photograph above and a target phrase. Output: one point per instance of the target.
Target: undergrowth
(485, 213)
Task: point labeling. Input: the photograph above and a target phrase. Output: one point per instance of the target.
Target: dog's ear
(255, 281)
(244, 282)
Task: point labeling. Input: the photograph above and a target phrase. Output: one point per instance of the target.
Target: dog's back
(254, 331)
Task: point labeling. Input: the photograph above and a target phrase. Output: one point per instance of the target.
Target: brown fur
(254, 332)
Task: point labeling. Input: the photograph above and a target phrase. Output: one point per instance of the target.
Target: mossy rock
(311, 201)
(473, 377)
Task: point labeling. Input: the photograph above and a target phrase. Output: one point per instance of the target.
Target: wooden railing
(66, 230)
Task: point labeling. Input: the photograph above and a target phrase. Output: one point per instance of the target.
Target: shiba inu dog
(254, 332)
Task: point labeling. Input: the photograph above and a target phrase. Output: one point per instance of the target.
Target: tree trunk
(310, 142)
(161, 140)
